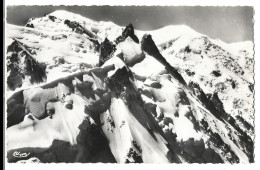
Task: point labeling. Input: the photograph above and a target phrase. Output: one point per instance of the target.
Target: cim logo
(20, 155)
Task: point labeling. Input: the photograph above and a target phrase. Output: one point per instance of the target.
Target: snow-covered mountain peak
(179, 30)
(171, 32)
(97, 92)
(66, 15)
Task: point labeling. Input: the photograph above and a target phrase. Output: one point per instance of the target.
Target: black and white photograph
(129, 84)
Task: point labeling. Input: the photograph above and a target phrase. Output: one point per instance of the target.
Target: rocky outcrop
(15, 109)
(76, 27)
(215, 106)
(29, 25)
(148, 45)
(21, 64)
(128, 32)
(216, 52)
(217, 142)
(107, 48)
(52, 18)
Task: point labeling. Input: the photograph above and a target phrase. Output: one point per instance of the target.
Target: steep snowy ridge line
(242, 156)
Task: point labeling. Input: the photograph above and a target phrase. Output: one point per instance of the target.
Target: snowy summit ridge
(86, 91)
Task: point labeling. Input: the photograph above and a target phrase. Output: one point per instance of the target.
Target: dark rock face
(215, 106)
(35, 69)
(233, 83)
(216, 73)
(217, 141)
(59, 151)
(187, 49)
(120, 80)
(76, 27)
(128, 32)
(148, 45)
(207, 101)
(93, 144)
(52, 18)
(29, 25)
(15, 110)
(107, 48)
(69, 106)
(195, 152)
(216, 102)
(30, 67)
(245, 123)
(251, 87)
(190, 73)
(58, 37)
(133, 157)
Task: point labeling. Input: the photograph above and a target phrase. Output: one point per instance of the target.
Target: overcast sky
(230, 24)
